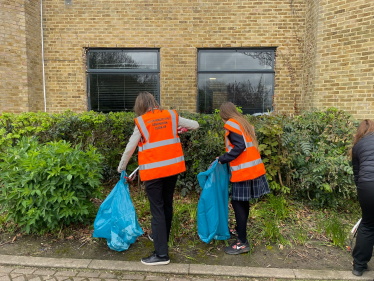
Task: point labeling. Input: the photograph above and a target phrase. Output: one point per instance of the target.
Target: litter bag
(116, 219)
(213, 209)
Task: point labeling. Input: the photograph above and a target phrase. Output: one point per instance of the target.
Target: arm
(356, 164)
(188, 124)
(239, 146)
(130, 148)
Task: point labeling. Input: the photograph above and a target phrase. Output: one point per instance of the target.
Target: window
(115, 77)
(244, 77)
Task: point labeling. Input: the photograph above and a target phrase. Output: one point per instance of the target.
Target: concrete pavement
(36, 268)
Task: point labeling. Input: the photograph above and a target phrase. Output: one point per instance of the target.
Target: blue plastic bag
(213, 209)
(116, 219)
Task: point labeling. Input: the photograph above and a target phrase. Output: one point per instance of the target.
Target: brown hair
(366, 127)
(144, 102)
(228, 110)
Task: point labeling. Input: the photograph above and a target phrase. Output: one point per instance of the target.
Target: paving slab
(44, 262)
(24, 270)
(331, 275)
(44, 272)
(88, 274)
(138, 266)
(132, 277)
(6, 269)
(240, 271)
(62, 278)
(107, 275)
(20, 278)
(66, 273)
(156, 278)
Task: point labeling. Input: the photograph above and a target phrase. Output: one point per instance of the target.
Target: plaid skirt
(250, 189)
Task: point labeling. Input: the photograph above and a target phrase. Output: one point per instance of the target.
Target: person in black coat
(363, 170)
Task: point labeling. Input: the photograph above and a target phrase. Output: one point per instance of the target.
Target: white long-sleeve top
(135, 138)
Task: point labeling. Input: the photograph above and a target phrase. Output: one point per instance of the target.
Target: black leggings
(365, 235)
(241, 209)
(160, 195)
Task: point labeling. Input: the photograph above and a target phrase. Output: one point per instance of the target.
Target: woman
(247, 171)
(363, 170)
(160, 159)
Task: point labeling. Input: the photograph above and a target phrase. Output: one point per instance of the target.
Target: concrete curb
(184, 269)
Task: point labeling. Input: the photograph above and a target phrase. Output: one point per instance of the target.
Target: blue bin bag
(116, 219)
(213, 209)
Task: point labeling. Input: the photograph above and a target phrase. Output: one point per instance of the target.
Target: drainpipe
(41, 26)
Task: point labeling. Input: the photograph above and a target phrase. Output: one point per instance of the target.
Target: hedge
(304, 155)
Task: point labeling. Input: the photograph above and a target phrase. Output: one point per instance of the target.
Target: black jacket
(239, 145)
(363, 160)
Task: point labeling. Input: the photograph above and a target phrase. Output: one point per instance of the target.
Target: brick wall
(309, 41)
(178, 28)
(13, 70)
(345, 57)
(324, 48)
(34, 55)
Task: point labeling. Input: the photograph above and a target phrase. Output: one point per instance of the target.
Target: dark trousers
(241, 209)
(160, 195)
(365, 236)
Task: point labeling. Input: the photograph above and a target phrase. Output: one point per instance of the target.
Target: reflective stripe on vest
(246, 165)
(174, 122)
(142, 126)
(158, 144)
(228, 146)
(161, 163)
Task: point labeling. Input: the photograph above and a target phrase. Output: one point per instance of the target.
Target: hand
(218, 161)
(127, 179)
(182, 130)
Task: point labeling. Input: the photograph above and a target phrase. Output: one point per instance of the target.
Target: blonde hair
(228, 110)
(144, 102)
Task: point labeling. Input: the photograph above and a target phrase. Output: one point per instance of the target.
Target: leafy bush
(47, 186)
(303, 155)
(317, 144)
(109, 133)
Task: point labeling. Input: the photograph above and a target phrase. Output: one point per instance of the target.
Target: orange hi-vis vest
(248, 165)
(160, 151)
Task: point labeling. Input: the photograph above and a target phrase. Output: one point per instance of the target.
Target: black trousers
(160, 195)
(365, 236)
(241, 209)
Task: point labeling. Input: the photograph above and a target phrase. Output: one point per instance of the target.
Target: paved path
(19, 268)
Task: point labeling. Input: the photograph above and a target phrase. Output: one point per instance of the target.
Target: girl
(247, 171)
(160, 159)
(363, 170)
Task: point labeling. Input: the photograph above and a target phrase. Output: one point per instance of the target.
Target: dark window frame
(268, 71)
(121, 71)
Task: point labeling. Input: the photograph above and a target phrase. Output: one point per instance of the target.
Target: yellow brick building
(281, 55)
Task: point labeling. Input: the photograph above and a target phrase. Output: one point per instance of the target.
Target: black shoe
(156, 260)
(358, 272)
(237, 248)
(150, 236)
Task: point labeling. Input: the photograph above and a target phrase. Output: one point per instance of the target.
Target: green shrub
(316, 144)
(304, 155)
(50, 185)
